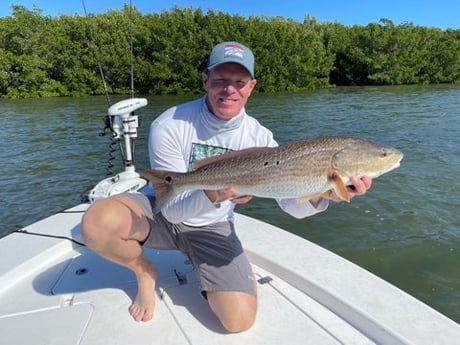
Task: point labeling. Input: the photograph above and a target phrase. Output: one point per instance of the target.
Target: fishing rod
(131, 50)
(96, 54)
(123, 124)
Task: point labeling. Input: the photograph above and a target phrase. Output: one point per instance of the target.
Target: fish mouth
(396, 165)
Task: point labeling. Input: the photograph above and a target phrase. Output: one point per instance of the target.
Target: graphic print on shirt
(201, 151)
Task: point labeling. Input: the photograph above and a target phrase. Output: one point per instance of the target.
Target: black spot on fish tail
(163, 185)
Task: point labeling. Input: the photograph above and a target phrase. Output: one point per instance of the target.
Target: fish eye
(168, 179)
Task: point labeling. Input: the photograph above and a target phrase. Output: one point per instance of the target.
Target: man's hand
(241, 199)
(218, 196)
(359, 186)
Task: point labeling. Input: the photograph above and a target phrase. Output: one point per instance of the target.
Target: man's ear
(205, 78)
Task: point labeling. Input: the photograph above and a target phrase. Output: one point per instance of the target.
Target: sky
(442, 14)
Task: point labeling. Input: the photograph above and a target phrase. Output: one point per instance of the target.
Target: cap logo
(233, 50)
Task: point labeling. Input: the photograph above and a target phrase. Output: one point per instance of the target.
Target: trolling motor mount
(124, 126)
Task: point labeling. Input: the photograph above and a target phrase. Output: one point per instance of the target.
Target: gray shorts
(214, 249)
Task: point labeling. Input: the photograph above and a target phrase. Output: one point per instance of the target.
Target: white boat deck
(53, 291)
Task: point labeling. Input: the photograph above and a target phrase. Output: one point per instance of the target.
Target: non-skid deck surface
(49, 326)
(285, 315)
(89, 299)
(53, 291)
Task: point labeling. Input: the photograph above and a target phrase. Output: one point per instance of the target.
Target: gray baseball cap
(232, 52)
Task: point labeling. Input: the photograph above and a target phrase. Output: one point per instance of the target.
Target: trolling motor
(123, 124)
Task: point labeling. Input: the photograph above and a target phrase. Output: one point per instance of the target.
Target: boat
(54, 290)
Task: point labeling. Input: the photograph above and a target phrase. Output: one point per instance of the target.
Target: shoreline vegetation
(44, 56)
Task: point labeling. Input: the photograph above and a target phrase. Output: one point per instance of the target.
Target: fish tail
(161, 181)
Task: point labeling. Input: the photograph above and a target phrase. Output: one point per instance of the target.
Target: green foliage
(42, 56)
(386, 54)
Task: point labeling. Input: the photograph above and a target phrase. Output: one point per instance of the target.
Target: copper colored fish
(302, 169)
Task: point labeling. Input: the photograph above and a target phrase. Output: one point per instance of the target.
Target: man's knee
(116, 217)
(235, 310)
(93, 223)
(239, 321)
(101, 221)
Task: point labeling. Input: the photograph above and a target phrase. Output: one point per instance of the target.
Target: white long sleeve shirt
(187, 133)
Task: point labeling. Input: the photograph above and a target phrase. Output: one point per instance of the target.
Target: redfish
(301, 170)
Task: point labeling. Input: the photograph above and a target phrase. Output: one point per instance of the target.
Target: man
(198, 222)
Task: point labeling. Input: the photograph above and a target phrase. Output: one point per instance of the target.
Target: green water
(405, 230)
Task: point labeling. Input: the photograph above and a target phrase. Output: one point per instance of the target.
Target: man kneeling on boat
(197, 222)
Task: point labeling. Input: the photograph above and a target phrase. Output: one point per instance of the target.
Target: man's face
(228, 88)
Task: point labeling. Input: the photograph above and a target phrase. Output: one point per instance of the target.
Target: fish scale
(300, 169)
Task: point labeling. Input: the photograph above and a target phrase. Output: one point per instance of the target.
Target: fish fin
(227, 155)
(339, 187)
(162, 184)
(305, 198)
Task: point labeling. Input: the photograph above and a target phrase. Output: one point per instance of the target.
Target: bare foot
(144, 304)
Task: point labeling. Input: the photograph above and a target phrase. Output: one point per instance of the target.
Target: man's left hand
(359, 186)
(241, 199)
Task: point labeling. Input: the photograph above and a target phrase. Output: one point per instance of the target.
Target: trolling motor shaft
(125, 123)
(124, 127)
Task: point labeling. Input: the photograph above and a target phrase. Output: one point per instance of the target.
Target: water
(405, 230)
